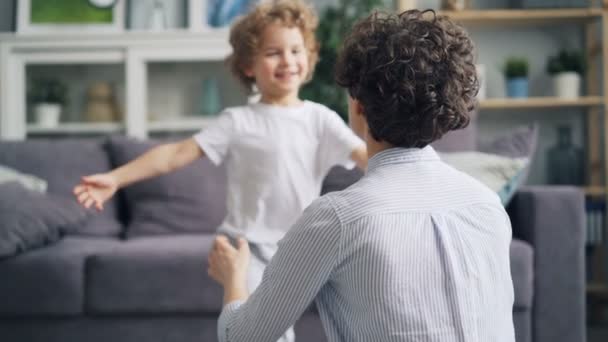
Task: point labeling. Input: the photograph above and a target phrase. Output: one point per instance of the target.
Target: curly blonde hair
(246, 34)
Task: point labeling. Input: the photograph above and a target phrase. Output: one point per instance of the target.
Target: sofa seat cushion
(522, 272)
(48, 281)
(62, 163)
(154, 275)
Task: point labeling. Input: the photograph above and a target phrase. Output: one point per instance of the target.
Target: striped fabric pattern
(415, 251)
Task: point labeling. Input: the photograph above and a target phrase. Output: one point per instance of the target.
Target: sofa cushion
(48, 281)
(153, 275)
(190, 200)
(500, 174)
(518, 143)
(522, 272)
(31, 219)
(62, 163)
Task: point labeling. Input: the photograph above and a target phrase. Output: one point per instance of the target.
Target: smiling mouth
(286, 75)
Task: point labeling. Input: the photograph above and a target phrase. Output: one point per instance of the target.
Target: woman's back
(424, 256)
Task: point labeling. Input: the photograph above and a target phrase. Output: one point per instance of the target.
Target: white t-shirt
(276, 158)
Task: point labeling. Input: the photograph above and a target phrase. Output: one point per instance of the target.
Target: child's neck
(285, 101)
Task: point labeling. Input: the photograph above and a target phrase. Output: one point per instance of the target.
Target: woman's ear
(356, 118)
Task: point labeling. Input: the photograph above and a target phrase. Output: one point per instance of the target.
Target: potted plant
(566, 69)
(516, 74)
(334, 24)
(48, 96)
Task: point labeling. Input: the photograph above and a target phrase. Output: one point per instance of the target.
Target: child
(277, 151)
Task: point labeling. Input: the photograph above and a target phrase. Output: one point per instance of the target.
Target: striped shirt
(414, 251)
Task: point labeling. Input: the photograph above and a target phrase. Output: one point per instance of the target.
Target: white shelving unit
(135, 51)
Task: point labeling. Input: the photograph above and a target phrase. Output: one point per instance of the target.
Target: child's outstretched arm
(98, 188)
(359, 156)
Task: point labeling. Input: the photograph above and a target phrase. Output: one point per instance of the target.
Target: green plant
(516, 67)
(565, 61)
(47, 90)
(334, 24)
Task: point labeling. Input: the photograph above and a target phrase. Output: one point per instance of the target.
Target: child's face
(281, 64)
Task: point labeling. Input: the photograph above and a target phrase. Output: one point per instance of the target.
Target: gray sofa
(105, 283)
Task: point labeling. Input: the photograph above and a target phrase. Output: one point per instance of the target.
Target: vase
(517, 87)
(157, 20)
(404, 5)
(565, 160)
(47, 114)
(210, 97)
(566, 85)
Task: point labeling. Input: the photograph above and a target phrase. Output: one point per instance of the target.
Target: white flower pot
(47, 114)
(567, 85)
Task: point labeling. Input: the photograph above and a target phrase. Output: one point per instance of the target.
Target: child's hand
(228, 265)
(95, 189)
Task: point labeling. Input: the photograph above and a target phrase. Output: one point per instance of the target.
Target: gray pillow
(62, 162)
(499, 173)
(29, 181)
(190, 200)
(31, 219)
(518, 143)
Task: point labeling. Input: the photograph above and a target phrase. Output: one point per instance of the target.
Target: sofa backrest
(464, 139)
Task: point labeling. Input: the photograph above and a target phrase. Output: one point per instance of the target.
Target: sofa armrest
(552, 220)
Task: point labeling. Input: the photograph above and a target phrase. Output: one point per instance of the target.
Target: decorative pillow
(519, 143)
(61, 163)
(190, 200)
(29, 181)
(501, 174)
(31, 219)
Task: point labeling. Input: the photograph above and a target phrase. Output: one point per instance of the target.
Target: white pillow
(501, 174)
(28, 181)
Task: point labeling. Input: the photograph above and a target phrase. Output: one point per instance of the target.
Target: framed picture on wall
(70, 16)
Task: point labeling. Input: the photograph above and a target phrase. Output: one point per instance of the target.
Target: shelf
(183, 124)
(597, 289)
(595, 191)
(540, 102)
(531, 17)
(76, 127)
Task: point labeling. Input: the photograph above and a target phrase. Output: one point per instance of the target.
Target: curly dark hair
(413, 73)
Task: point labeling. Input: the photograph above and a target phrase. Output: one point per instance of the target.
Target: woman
(414, 251)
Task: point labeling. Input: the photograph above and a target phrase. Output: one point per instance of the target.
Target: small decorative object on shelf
(455, 5)
(48, 96)
(157, 19)
(404, 5)
(564, 160)
(222, 12)
(516, 74)
(159, 15)
(74, 16)
(101, 104)
(210, 97)
(566, 69)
